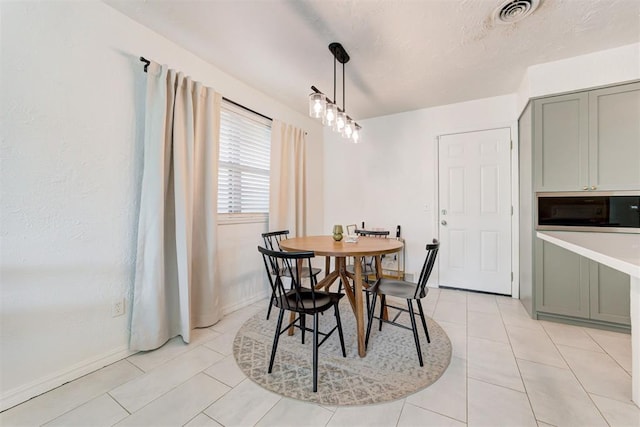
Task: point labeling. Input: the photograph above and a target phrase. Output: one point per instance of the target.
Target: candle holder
(337, 233)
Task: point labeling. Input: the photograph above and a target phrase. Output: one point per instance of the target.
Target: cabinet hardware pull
(593, 187)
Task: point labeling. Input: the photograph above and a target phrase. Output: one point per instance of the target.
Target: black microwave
(615, 211)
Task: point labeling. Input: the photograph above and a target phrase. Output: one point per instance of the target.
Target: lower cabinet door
(609, 294)
(562, 281)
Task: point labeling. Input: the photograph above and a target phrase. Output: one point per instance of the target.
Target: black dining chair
(406, 290)
(272, 241)
(300, 300)
(369, 271)
(369, 263)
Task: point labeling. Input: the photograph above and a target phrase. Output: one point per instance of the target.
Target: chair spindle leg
(383, 303)
(339, 325)
(275, 340)
(415, 330)
(370, 320)
(424, 320)
(315, 352)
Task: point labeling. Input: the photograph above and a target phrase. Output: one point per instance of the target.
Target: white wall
(601, 68)
(390, 177)
(72, 94)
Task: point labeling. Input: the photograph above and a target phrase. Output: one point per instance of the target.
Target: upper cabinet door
(614, 138)
(561, 143)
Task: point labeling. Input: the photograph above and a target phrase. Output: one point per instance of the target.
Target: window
(243, 172)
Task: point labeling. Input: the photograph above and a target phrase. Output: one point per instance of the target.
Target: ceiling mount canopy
(339, 53)
(321, 107)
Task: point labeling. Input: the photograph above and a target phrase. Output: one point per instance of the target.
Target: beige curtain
(176, 285)
(288, 181)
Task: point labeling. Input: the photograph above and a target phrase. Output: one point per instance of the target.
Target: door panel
(489, 253)
(562, 281)
(475, 210)
(457, 249)
(609, 292)
(614, 138)
(456, 190)
(561, 143)
(489, 182)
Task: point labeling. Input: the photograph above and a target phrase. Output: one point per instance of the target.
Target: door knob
(593, 187)
(443, 222)
(585, 188)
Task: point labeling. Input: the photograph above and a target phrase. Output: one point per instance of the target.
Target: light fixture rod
(340, 55)
(334, 79)
(343, 92)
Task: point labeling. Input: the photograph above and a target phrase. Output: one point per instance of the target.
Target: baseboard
(244, 303)
(25, 392)
(589, 323)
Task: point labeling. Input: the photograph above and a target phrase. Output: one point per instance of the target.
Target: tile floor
(506, 369)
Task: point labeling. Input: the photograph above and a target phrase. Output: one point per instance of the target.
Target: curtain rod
(146, 65)
(248, 109)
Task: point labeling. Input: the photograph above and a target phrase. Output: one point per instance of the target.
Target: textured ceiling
(405, 54)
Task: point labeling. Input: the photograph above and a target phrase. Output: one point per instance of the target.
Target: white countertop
(620, 251)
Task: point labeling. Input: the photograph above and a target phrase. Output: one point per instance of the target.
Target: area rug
(389, 371)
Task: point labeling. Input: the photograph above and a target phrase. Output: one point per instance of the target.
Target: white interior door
(475, 210)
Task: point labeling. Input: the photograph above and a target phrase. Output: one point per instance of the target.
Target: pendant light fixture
(322, 107)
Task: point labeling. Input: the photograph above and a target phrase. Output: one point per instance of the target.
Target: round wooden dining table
(365, 246)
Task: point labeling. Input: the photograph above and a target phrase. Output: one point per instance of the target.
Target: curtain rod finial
(146, 63)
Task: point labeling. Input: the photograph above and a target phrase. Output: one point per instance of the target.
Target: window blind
(243, 169)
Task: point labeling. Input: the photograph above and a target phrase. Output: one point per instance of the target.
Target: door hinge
(511, 144)
(512, 276)
(511, 210)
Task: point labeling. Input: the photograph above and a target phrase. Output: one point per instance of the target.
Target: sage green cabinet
(609, 294)
(614, 138)
(562, 281)
(561, 144)
(568, 284)
(588, 141)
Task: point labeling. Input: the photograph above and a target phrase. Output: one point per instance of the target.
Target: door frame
(515, 223)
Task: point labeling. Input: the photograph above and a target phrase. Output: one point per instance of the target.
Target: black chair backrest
(272, 239)
(281, 265)
(373, 233)
(430, 260)
(369, 261)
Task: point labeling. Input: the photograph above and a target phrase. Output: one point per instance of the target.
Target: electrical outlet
(117, 309)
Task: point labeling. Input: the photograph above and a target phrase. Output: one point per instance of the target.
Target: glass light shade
(355, 135)
(317, 102)
(341, 118)
(331, 111)
(347, 130)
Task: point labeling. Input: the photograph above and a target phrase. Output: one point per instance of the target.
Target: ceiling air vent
(512, 11)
